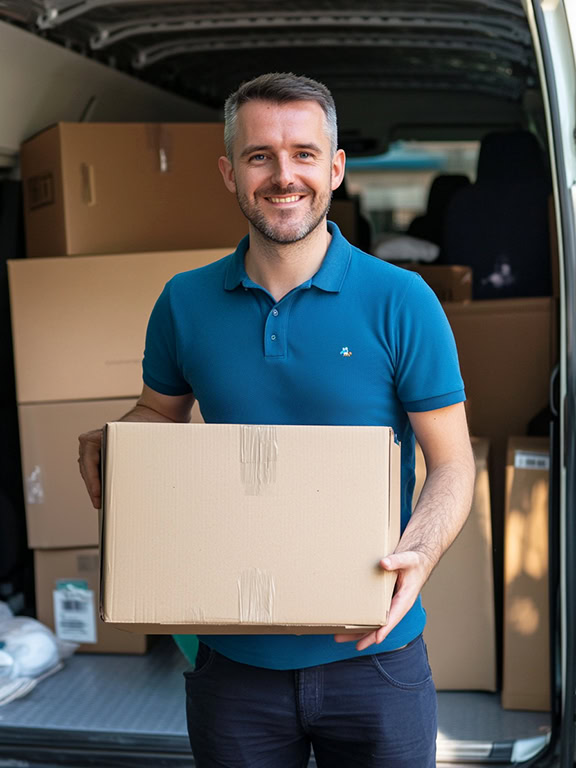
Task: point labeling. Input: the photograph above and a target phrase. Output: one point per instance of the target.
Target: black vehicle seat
(499, 225)
(430, 226)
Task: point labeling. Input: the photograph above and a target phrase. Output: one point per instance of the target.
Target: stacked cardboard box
(526, 603)
(134, 193)
(507, 349)
(79, 328)
(449, 282)
(118, 188)
(459, 596)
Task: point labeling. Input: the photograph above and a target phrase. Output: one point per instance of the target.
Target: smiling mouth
(287, 199)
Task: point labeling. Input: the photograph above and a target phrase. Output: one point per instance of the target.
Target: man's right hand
(89, 462)
(151, 407)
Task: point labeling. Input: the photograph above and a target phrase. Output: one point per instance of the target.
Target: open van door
(553, 24)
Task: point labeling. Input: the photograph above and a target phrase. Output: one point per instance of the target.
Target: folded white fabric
(399, 247)
(20, 686)
(29, 652)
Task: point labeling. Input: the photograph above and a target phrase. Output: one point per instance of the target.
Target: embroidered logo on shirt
(345, 352)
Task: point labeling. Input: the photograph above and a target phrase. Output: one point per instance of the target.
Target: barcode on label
(75, 605)
(531, 460)
(74, 615)
(73, 625)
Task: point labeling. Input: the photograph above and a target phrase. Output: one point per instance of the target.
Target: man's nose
(283, 172)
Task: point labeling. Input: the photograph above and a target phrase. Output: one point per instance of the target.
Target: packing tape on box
(88, 184)
(35, 487)
(258, 458)
(256, 594)
(160, 141)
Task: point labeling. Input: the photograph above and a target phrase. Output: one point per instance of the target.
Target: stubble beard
(277, 233)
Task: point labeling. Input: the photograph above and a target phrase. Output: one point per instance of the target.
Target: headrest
(511, 157)
(441, 191)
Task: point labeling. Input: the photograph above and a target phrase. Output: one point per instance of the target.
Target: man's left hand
(413, 569)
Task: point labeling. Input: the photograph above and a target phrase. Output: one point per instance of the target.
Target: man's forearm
(441, 511)
(142, 412)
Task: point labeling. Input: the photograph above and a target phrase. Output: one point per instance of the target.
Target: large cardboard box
(449, 282)
(58, 510)
(526, 673)
(79, 325)
(459, 596)
(230, 528)
(122, 187)
(506, 350)
(67, 593)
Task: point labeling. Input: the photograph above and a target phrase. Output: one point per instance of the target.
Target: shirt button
(275, 312)
(273, 337)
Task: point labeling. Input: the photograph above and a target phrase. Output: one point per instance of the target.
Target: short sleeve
(427, 369)
(160, 369)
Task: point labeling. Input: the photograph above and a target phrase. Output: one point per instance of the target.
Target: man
(299, 327)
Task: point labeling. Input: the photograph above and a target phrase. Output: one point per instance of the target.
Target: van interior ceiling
(442, 116)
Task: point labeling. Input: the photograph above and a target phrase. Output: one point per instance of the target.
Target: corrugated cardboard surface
(449, 282)
(459, 597)
(526, 678)
(112, 188)
(52, 566)
(79, 325)
(58, 510)
(231, 528)
(506, 356)
(504, 347)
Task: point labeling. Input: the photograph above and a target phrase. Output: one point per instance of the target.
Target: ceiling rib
(167, 49)
(54, 13)
(491, 26)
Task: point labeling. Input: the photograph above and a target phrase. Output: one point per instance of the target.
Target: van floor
(125, 710)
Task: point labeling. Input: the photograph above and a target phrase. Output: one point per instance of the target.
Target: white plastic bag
(29, 651)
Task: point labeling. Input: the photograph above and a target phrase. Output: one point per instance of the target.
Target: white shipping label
(531, 460)
(75, 615)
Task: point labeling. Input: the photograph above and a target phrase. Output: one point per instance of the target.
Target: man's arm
(441, 511)
(151, 406)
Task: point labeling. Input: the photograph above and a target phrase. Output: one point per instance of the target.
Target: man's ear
(227, 172)
(338, 168)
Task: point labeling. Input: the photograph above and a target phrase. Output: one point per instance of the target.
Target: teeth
(292, 199)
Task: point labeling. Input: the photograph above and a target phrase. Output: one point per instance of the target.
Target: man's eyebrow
(251, 148)
(254, 148)
(312, 146)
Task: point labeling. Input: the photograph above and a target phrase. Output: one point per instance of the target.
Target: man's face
(282, 171)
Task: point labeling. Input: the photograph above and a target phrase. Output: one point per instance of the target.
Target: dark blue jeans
(363, 712)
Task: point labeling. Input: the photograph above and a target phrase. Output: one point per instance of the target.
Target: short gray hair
(280, 88)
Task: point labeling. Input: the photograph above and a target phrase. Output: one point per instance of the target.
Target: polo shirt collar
(330, 277)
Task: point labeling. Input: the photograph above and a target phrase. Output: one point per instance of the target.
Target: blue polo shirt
(360, 343)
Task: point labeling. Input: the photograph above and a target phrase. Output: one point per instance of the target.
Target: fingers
(89, 463)
(408, 585)
(401, 603)
(400, 561)
(348, 638)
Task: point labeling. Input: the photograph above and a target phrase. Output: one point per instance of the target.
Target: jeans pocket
(204, 660)
(406, 668)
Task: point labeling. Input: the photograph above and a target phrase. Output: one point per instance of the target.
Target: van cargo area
(129, 711)
(457, 118)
